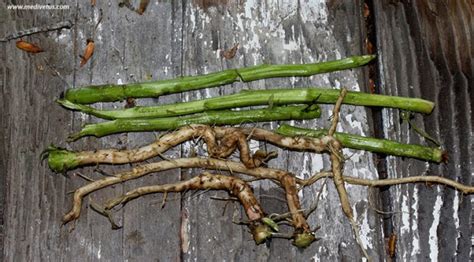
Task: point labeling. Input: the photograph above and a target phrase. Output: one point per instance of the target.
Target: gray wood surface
(177, 38)
(425, 50)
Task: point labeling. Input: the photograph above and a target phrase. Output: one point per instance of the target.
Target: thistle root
(207, 181)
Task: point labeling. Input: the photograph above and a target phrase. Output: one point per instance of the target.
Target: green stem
(318, 95)
(61, 160)
(184, 108)
(209, 118)
(258, 97)
(383, 146)
(110, 92)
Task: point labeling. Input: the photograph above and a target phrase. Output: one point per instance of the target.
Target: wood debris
(230, 53)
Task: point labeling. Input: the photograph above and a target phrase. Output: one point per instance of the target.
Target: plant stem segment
(210, 118)
(110, 92)
(255, 98)
(383, 146)
(321, 96)
(216, 138)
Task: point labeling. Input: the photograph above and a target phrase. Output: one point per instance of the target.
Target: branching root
(221, 143)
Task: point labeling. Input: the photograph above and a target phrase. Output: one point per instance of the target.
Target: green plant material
(227, 117)
(254, 98)
(111, 92)
(407, 117)
(272, 224)
(260, 233)
(303, 240)
(317, 95)
(60, 160)
(253, 73)
(383, 146)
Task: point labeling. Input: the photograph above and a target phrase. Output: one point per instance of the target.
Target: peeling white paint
(355, 124)
(433, 237)
(254, 145)
(98, 28)
(83, 116)
(271, 26)
(93, 250)
(317, 162)
(62, 38)
(316, 12)
(356, 156)
(192, 19)
(364, 229)
(315, 257)
(415, 244)
(405, 228)
(456, 217)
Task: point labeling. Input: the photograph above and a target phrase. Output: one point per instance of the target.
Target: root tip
(304, 240)
(261, 233)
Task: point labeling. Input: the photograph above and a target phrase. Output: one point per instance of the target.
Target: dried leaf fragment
(28, 47)
(88, 52)
(369, 46)
(230, 53)
(130, 103)
(269, 222)
(92, 2)
(372, 86)
(392, 245)
(142, 7)
(366, 12)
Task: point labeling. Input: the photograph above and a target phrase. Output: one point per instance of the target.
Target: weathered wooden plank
(3, 130)
(425, 50)
(279, 32)
(150, 232)
(34, 198)
(33, 215)
(170, 40)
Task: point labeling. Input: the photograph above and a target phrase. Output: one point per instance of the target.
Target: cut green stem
(110, 92)
(383, 146)
(210, 118)
(255, 98)
(318, 95)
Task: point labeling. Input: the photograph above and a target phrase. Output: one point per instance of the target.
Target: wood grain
(426, 50)
(423, 53)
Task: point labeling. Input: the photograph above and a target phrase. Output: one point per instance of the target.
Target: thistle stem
(383, 146)
(318, 95)
(111, 92)
(210, 118)
(256, 98)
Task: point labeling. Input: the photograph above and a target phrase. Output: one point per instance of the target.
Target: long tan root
(206, 181)
(335, 149)
(209, 163)
(221, 142)
(391, 181)
(302, 237)
(260, 173)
